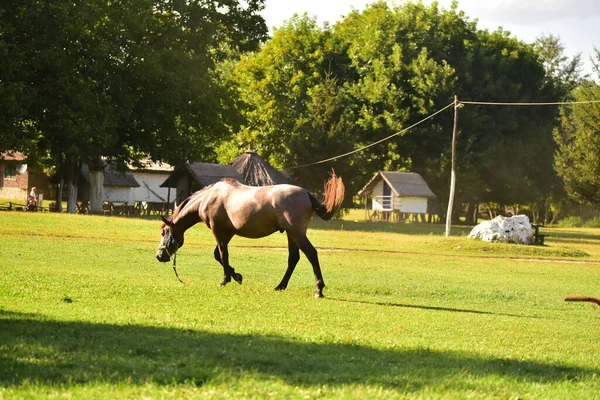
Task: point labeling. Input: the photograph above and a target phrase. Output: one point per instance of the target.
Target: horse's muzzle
(162, 256)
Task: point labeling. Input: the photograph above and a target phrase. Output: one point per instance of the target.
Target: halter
(171, 239)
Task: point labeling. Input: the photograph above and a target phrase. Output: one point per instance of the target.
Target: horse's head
(170, 242)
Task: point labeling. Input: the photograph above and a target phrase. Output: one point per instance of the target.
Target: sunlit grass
(87, 312)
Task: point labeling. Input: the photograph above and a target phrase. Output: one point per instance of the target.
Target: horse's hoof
(280, 288)
(225, 281)
(319, 295)
(238, 278)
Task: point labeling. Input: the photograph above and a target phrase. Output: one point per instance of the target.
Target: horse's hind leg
(293, 258)
(311, 253)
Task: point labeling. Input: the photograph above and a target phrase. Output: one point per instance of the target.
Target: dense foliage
(317, 92)
(578, 140)
(83, 80)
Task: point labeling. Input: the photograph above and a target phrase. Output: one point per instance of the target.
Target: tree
(121, 81)
(578, 140)
(296, 110)
(562, 72)
(311, 95)
(385, 69)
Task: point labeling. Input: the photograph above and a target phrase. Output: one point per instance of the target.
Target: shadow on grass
(433, 308)
(35, 350)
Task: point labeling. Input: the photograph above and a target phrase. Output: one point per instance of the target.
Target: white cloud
(277, 11)
(529, 11)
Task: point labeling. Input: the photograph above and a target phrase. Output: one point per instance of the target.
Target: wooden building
(117, 189)
(396, 195)
(149, 195)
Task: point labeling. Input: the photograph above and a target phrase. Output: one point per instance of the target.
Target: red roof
(12, 156)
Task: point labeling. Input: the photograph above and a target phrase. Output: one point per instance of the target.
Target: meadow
(86, 311)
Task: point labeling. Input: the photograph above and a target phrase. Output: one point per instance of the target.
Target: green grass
(87, 312)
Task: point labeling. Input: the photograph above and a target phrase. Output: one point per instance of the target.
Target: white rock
(515, 229)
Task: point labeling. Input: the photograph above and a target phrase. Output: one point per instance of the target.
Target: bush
(570, 222)
(592, 223)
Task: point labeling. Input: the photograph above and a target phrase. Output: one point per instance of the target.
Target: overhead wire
(558, 103)
(460, 103)
(374, 143)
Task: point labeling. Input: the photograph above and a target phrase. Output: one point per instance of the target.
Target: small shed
(150, 196)
(256, 171)
(395, 194)
(117, 186)
(195, 176)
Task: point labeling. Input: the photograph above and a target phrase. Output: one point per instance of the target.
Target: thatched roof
(203, 173)
(256, 171)
(405, 184)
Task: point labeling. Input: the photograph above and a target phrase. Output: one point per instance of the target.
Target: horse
(230, 208)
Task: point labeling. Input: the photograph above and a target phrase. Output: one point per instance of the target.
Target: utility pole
(457, 105)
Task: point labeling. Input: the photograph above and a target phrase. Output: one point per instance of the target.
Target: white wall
(118, 194)
(416, 205)
(149, 190)
(402, 204)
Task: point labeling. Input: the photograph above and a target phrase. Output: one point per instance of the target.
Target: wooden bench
(538, 238)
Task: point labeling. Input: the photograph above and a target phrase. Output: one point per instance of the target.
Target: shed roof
(147, 165)
(203, 173)
(256, 171)
(402, 184)
(112, 177)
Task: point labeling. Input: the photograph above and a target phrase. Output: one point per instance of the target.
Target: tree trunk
(96, 191)
(72, 198)
(59, 197)
(73, 171)
(535, 215)
(471, 214)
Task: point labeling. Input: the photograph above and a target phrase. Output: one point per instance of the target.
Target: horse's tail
(334, 196)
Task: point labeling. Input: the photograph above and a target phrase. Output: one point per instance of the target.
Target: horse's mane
(231, 181)
(180, 207)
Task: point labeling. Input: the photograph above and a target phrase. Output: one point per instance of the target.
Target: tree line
(202, 81)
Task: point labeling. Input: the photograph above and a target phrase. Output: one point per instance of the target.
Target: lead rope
(175, 267)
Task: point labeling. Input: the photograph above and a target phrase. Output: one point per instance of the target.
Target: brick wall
(13, 187)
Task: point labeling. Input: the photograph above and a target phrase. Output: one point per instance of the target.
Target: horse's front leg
(226, 276)
(222, 256)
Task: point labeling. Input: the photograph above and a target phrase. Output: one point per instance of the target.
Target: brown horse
(229, 208)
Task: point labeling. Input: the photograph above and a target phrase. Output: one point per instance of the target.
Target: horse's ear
(166, 221)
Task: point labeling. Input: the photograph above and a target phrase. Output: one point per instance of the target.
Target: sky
(576, 22)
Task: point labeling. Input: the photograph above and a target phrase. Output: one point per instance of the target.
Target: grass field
(86, 311)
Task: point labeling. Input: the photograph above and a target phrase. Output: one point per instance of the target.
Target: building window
(10, 171)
